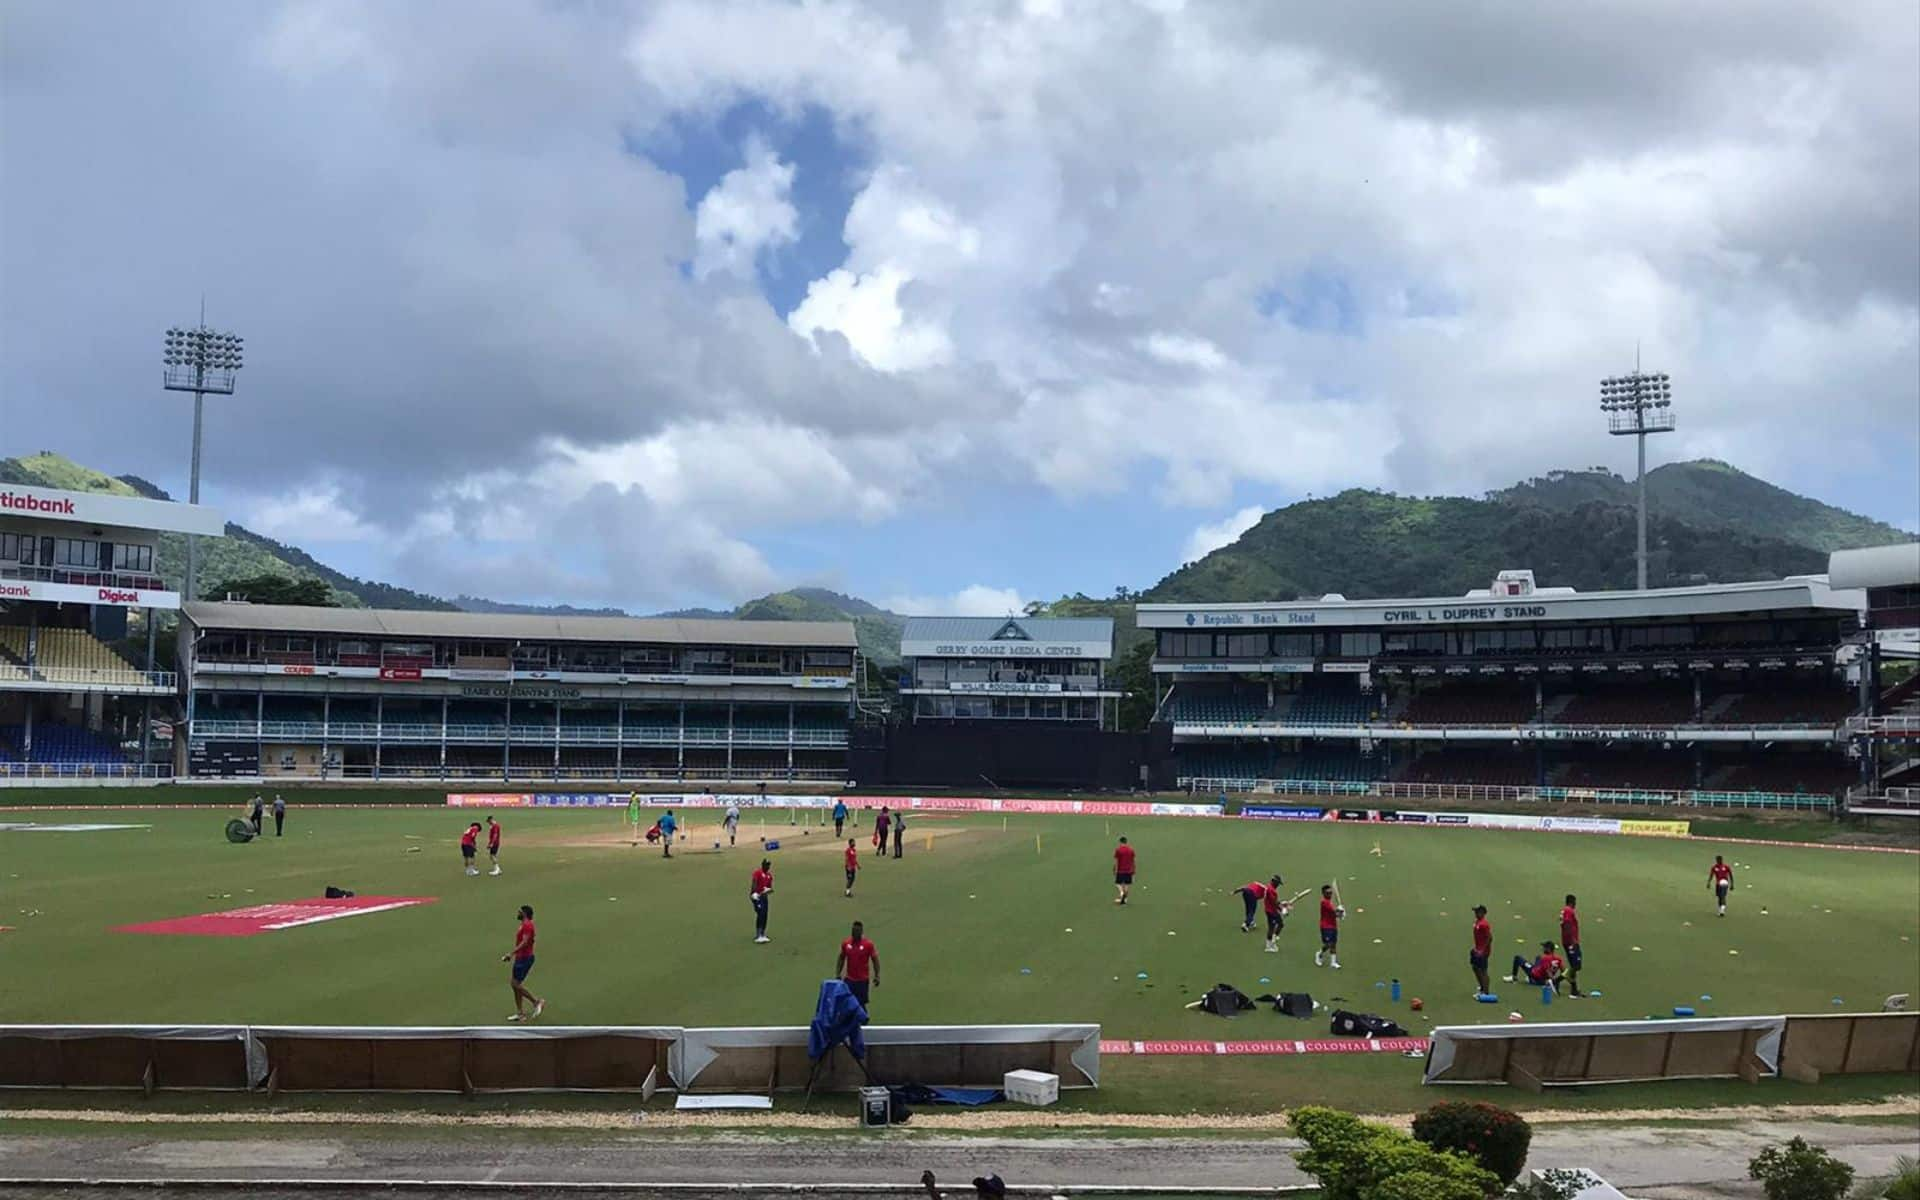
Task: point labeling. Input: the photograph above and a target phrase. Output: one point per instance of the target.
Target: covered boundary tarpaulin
(309, 1058)
(210, 1057)
(771, 1057)
(1578, 1052)
(1850, 1043)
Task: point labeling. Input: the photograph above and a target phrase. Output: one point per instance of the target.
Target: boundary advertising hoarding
(1471, 820)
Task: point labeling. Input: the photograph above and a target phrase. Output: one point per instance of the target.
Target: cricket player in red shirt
(1570, 942)
(1546, 968)
(493, 844)
(467, 848)
(522, 958)
(858, 964)
(1720, 879)
(1482, 950)
(758, 891)
(1252, 894)
(1330, 914)
(1277, 910)
(1122, 871)
(853, 865)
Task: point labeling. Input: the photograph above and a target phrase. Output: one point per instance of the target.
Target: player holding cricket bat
(1277, 910)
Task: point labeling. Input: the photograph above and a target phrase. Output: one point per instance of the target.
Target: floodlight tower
(201, 361)
(1636, 405)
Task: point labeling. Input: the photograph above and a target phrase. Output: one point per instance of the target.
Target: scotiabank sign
(75, 593)
(114, 512)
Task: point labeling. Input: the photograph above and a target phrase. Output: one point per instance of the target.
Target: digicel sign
(73, 593)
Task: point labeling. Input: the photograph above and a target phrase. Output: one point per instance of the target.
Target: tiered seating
(1816, 774)
(418, 761)
(1493, 768)
(819, 716)
(1224, 762)
(1330, 766)
(1471, 704)
(1653, 769)
(13, 652)
(463, 712)
(1788, 705)
(589, 718)
(1329, 702)
(77, 651)
(1216, 706)
(291, 708)
(53, 743)
(1652, 702)
(762, 722)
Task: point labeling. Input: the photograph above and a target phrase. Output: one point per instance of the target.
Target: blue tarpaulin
(837, 1018)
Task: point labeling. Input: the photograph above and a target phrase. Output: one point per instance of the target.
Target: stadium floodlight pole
(201, 361)
(1636, 405)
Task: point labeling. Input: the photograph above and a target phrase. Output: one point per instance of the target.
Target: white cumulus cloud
(974, 600)
(1205, 539)
(748, 211)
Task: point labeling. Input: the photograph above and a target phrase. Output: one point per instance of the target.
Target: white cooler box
(1031, 1087)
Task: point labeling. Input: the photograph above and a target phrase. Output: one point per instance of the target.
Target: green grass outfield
(628, 938)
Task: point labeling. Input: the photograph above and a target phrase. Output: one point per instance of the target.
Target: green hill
(1710, 494)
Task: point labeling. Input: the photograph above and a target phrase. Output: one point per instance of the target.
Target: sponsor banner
(118, 512)
(1282, 812)
(271, 918)
(622, 799)
(1355, 814)
(488, 800)
(31, 827)
(406, 673)
(823, 681)
(472, 675)
(1657, 828)
(1093, 808)
(1344, 668)
(1005, 688)
(1400, 1045)
(76, 593)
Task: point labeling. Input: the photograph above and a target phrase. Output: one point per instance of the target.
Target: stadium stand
(1329, 702)
(1501, 768)
(1225, 762)
(72, 654)
(1643, 702)
(1813, 773)
(1808, 704)
(1623, 766)
(1470, 704)
(1330, 766)
(1201, 705)
(54, 742)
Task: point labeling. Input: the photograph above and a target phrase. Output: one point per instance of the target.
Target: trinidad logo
(1190, 619)
(1011, 632)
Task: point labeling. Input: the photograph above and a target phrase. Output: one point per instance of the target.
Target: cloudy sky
(948, 305)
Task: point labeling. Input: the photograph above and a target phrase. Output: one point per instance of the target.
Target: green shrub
(1797, 1171)
(1355, 1160)
(1903, 1184)
(1495, 1138)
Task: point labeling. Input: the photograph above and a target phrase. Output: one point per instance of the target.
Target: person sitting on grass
(1546, 968)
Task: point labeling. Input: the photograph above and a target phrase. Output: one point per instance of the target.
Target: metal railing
(1898, 725)
(1692, 798)
(1263, 725)
(415, 734)
(109, 677)
(467, 773)
(81, 772)
(85, 577)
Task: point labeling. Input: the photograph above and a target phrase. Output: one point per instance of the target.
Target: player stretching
(853, 865)
(1122, 871)
(858, 960)
(1481, 952)
(1545, 969)
(1570, 942)
(522, 958)
(1251, 894)
(493, 844)
(1720, 879)
(757, 891)
(467, 848)
(1330, 914)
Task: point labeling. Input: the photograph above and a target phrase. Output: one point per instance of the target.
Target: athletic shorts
(1123, 877)
(1573, 958)
(859, 989)
(493, 851)
(466, 852)
(1721, 890)
(850, 875)
(1477, 961)
(520, 968)
(1329, 937)
(1275, 923)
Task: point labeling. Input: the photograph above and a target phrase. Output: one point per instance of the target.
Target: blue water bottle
(1396, 989)
(1546, 993)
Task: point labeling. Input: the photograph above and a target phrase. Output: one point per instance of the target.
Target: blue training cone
(1682, 1010)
